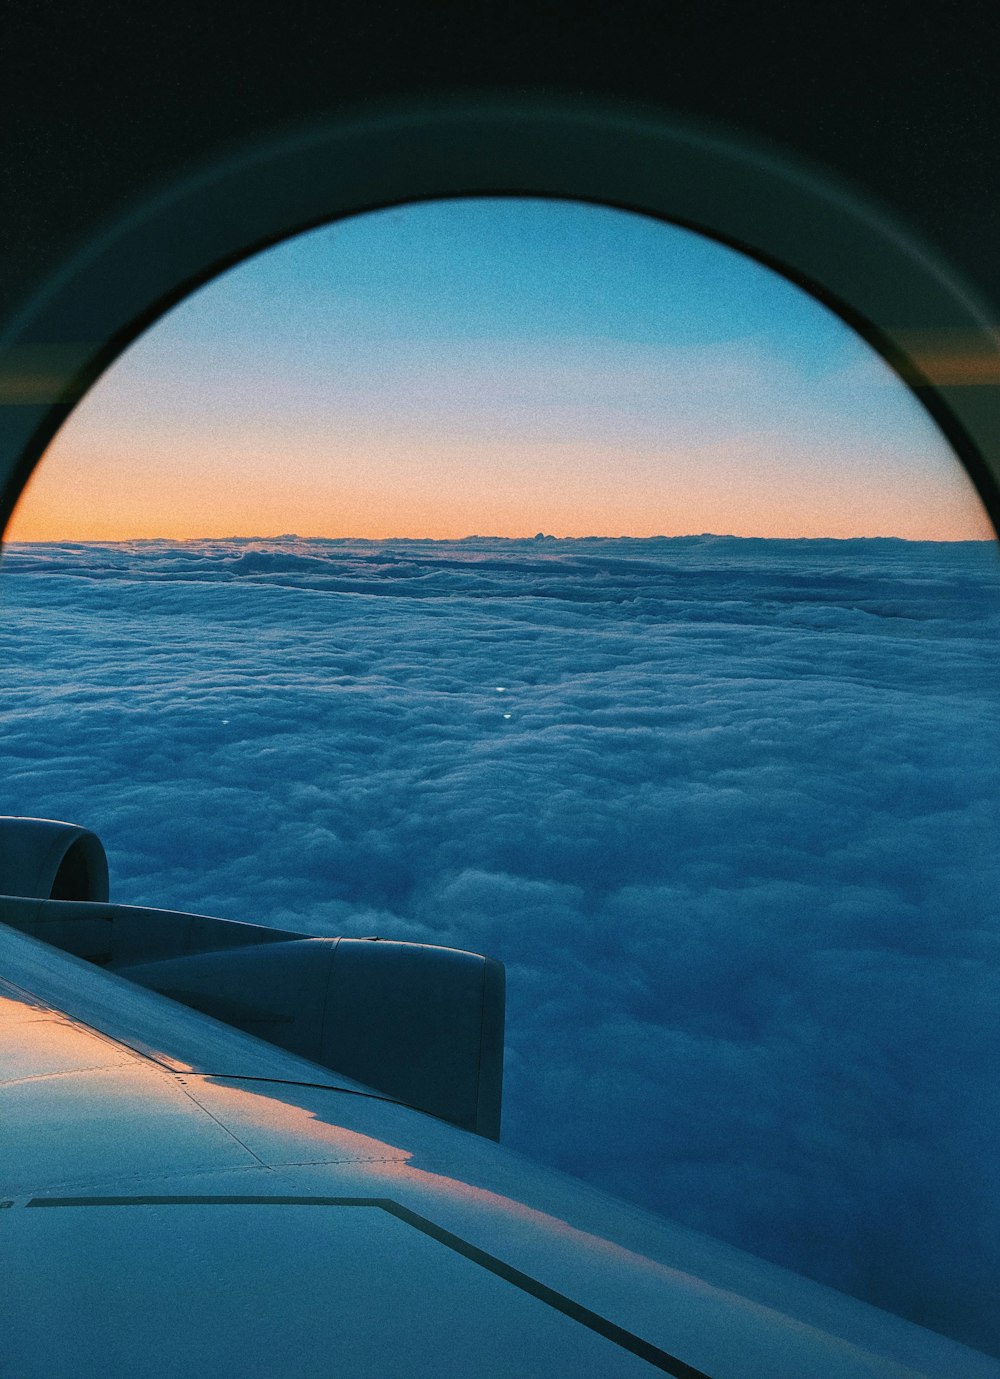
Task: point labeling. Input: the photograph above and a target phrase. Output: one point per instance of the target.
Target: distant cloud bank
(728, 809)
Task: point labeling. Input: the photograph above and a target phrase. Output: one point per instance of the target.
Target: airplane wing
(181, 1196)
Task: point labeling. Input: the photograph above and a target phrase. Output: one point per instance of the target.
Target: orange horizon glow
(28, 533)
(394, 489)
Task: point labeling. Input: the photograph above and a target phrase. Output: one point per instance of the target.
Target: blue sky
(500, 367)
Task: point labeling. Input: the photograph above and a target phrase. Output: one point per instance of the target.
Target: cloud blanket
(728, 809)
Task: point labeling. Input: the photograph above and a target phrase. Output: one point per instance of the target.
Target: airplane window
(539, 578)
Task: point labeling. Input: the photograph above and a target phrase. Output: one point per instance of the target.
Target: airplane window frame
(820, 235)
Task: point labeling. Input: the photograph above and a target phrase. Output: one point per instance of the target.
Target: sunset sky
(499, 367)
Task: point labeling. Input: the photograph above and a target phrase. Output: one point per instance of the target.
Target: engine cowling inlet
(46, 859)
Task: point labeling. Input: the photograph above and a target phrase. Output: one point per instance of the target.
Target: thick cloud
(728, 809)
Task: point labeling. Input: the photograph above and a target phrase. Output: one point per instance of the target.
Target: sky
(727, 810)
(499, 367)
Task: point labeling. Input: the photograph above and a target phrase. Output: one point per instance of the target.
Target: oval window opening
(542, 579)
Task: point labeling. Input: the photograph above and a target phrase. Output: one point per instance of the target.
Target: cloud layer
(728, 809)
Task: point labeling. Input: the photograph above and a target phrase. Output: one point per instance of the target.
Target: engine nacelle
(420, 1023)
(45, 859)
(423, 1024)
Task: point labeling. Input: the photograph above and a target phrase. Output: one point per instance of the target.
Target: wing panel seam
(619, 1336)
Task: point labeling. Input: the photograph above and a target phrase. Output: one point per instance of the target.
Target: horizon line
(537, 538)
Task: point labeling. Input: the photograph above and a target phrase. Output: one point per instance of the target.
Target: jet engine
(420, 1023)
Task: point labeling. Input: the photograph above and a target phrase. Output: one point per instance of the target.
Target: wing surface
(183, 1197)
